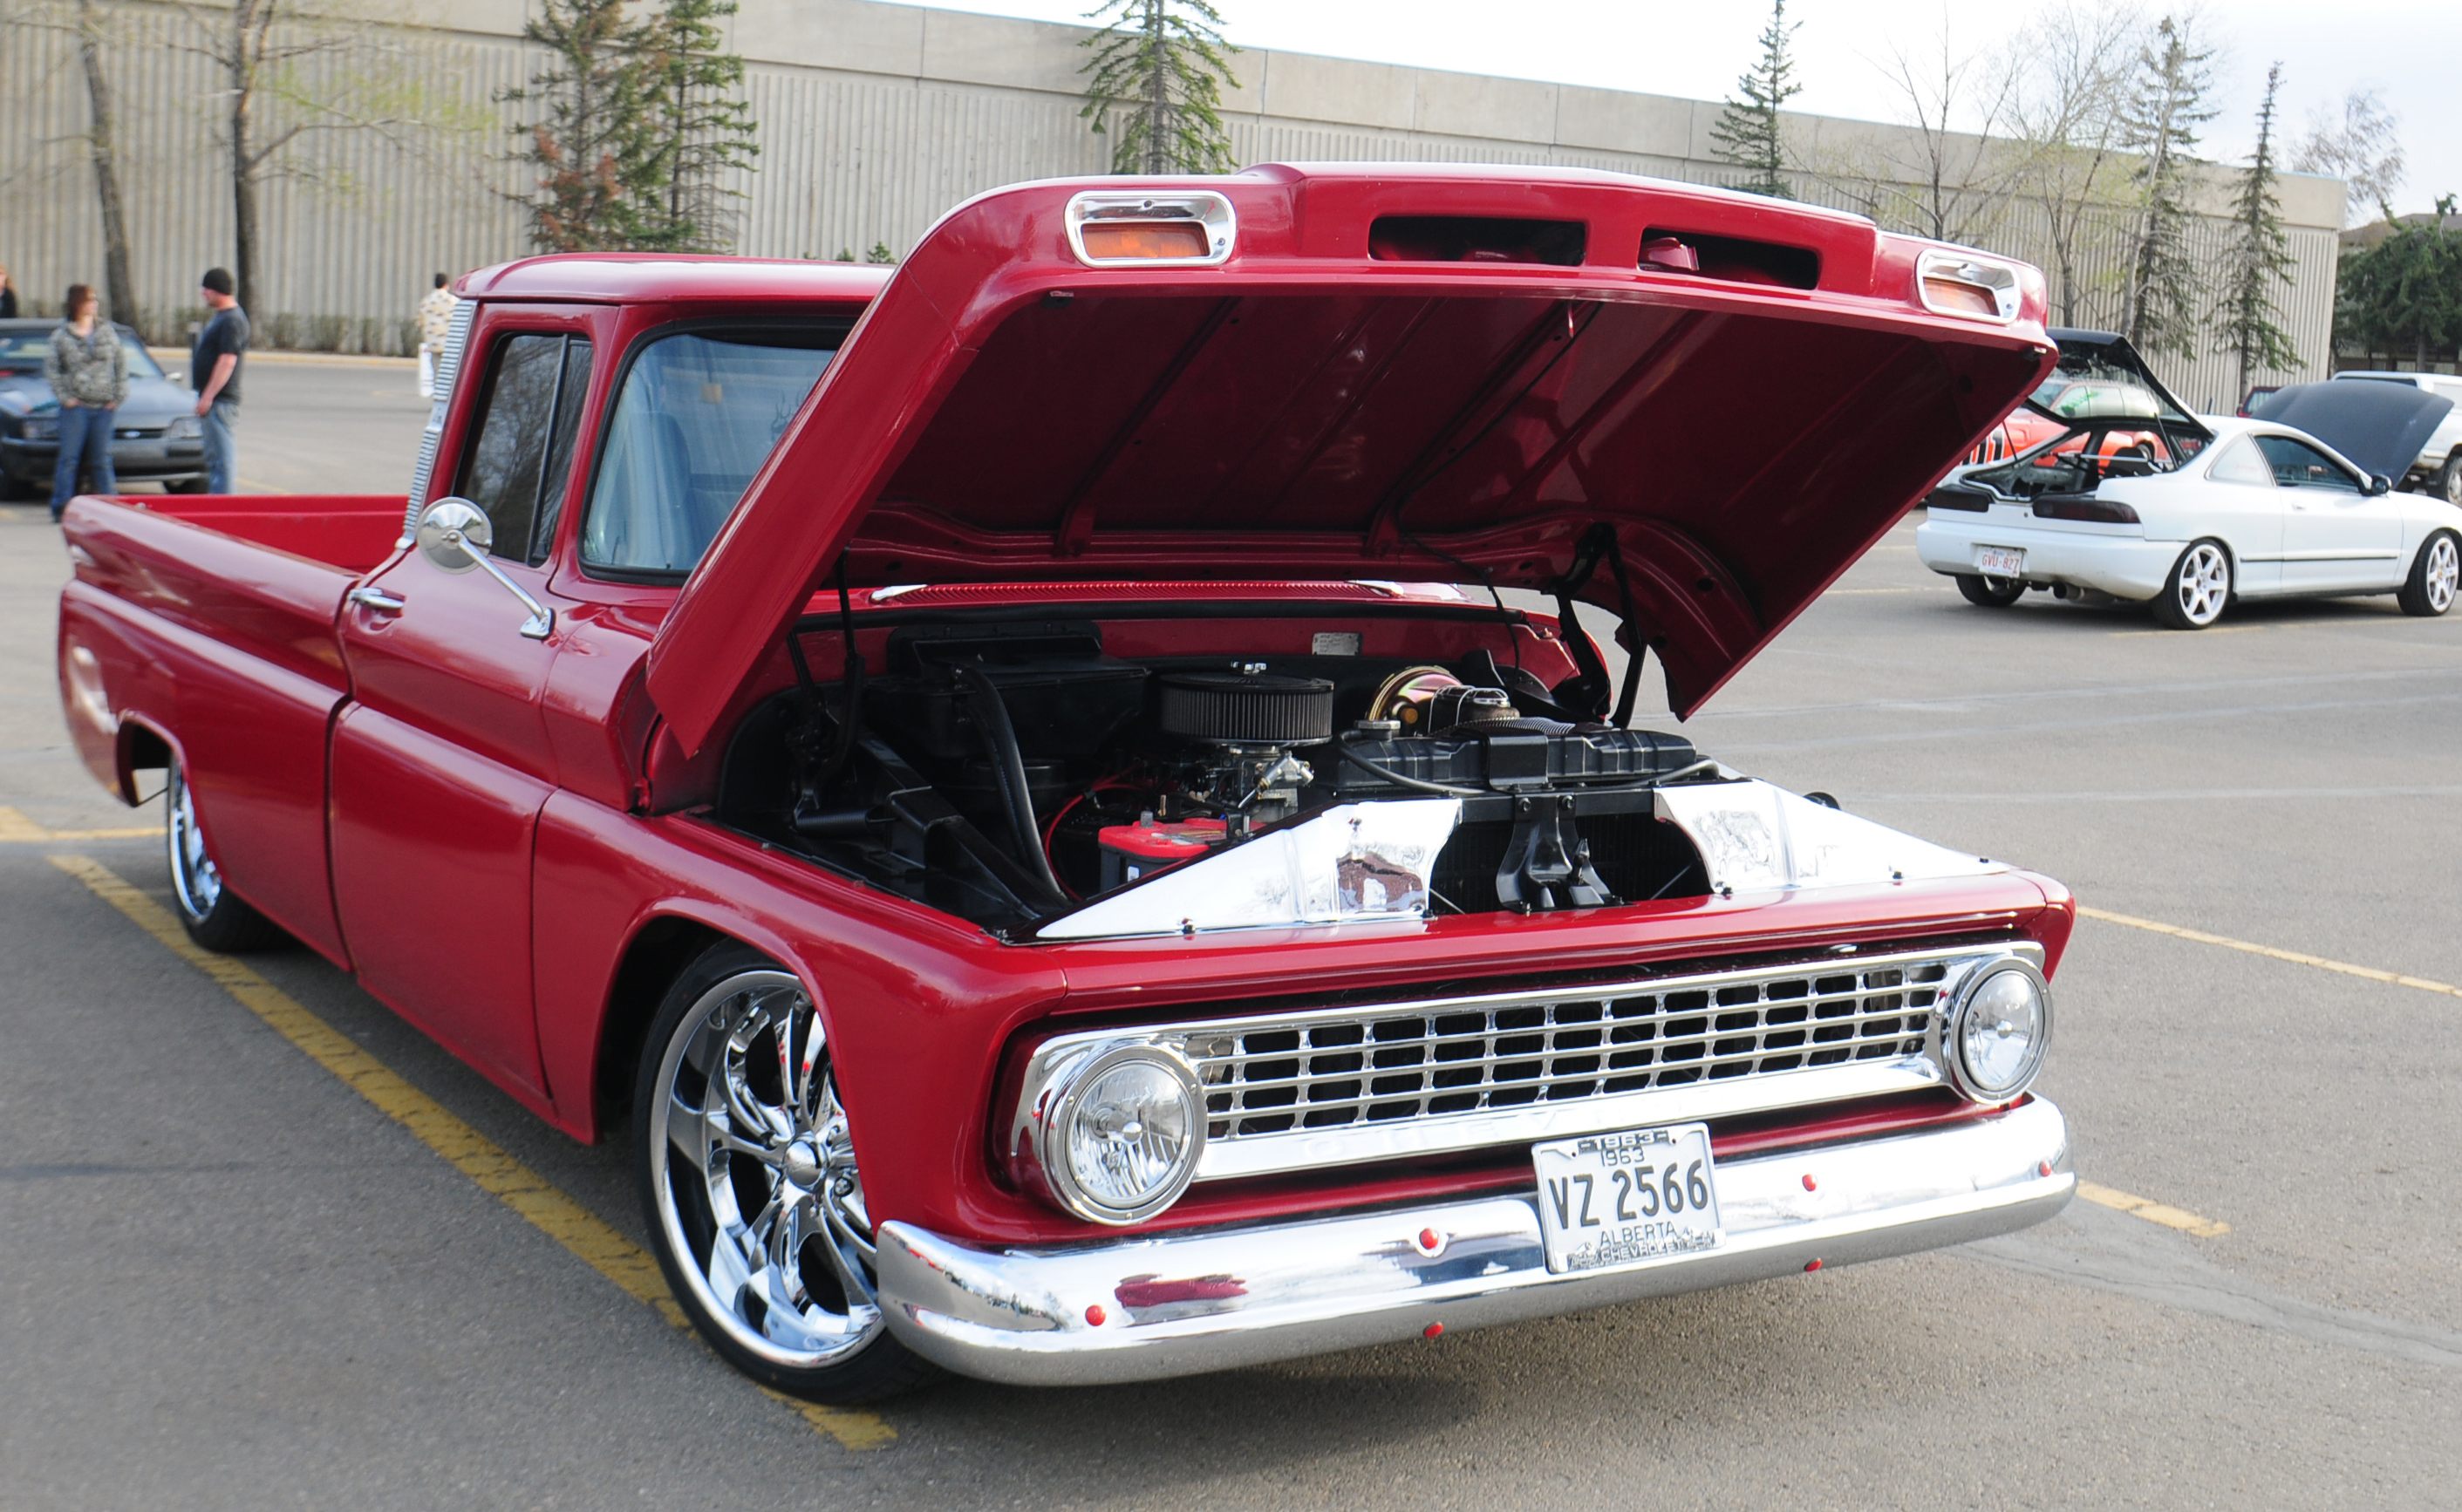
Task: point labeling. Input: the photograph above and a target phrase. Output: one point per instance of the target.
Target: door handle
(378, 599)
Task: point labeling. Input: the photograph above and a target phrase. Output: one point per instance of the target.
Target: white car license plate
(1625, 1199)
(1999, 561)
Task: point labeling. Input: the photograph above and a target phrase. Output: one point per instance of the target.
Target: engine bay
(1009, 773)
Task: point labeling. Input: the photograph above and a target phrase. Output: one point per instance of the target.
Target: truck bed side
(203, 628)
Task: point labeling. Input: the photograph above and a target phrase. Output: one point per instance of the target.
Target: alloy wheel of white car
(2198, 590)
(2435, 577)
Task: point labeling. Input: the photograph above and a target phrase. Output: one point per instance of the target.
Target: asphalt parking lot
(245, 1262)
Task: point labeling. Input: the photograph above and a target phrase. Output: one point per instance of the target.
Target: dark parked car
(156, 437)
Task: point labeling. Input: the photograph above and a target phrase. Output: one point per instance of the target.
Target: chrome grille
(1471, 1054)
(1316, 1088)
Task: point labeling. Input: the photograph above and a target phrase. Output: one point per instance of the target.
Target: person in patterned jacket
(88, 373)
(435, 318)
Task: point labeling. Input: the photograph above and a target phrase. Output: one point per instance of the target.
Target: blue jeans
(85, 446)
(220, 459)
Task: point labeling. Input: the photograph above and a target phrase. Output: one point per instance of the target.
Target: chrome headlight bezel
(1948, 1041)
(1054, 1097)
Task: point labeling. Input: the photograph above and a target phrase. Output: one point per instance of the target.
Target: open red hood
(1383, 372)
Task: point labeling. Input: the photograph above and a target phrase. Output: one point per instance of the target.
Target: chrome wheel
(195, 880)
(2443, 574)
(753, 1179)
(2201, 585)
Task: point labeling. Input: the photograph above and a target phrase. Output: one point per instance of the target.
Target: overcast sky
(2411, 50)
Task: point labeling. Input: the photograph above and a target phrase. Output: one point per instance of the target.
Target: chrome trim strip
(1229, 1156)
(448, 368)
(1141, 1308)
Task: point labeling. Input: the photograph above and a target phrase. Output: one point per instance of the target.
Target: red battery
(1132, 851)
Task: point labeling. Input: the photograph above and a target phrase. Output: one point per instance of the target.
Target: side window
(514, 469)
(2240, 462)
(699, 413)
(2296, 464)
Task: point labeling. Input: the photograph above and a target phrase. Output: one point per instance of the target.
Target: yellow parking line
(2297, 957)
(16, 827)
(2152, 1212)
(583, 1233)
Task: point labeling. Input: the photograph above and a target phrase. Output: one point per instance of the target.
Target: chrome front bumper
(1212, 1299)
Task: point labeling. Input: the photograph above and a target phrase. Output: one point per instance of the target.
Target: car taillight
(2094, 512)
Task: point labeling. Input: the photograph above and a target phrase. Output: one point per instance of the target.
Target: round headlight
(1999, 1031)
(1124, 1134)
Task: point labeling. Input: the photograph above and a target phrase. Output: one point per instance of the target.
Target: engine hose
(1009, 764)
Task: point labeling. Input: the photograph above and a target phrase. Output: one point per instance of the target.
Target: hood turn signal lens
(1131, 241)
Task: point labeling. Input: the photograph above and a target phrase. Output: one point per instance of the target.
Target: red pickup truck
(1017, 789)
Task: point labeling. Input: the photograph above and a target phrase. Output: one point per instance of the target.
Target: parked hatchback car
(2437, 469)
(155, 438)
(2207, 510)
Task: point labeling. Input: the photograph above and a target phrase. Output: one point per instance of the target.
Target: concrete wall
(875, 117)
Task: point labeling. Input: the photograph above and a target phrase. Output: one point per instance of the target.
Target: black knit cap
(217, 279)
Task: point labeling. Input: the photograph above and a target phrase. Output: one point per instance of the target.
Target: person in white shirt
(435, 319)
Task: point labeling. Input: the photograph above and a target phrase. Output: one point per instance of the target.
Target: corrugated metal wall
(352, 221)
(361, 218)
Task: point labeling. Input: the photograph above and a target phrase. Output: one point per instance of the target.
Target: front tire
(746, 1164)
(1990, 593)
(213, 915)
(2198, 589)
(2435, 574)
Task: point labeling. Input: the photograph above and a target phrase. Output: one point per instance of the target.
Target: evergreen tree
(702, 128)
(1746, 131)
(2403, 297)
(1158, 69)
(2166, 104)
(2247, 322)
(592, 139)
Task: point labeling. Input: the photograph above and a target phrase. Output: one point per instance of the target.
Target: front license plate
(1625, 1198)
(1999, 561)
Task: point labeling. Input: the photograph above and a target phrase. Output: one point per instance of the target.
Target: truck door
(441, 763)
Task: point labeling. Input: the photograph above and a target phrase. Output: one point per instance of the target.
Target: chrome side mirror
(454, 535)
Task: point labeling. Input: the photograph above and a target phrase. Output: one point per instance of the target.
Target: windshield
(699, 414)
(22, 350)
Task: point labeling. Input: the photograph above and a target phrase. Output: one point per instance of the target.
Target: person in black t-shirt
(213, 372)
